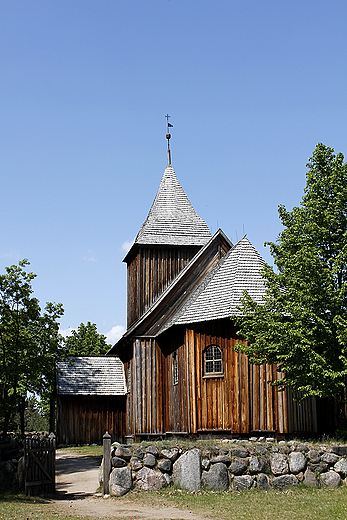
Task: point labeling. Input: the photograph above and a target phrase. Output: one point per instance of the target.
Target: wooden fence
(39, 458)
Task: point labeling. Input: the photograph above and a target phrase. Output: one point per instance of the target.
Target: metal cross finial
(168, 137)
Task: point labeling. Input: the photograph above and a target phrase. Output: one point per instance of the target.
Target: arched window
(213, 361)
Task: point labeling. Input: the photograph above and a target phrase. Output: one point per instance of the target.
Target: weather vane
(168, 137)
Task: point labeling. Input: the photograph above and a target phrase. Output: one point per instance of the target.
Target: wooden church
(183, 375)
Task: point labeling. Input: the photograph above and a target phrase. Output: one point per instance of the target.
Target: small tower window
(213, 361)
(174, 369)
(129, 379)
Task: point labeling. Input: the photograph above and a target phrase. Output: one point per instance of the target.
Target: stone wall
(227, 465)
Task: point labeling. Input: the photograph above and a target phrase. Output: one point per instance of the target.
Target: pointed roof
(172, 220)
(218, 295)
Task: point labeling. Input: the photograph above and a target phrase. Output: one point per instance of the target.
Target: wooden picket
(39, 458)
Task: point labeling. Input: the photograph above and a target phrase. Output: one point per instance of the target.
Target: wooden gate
(39, 458)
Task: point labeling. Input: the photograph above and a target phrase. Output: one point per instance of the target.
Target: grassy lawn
(88, 451)
(21, 507)
(305, 504)
(317, 504)
(294, 504)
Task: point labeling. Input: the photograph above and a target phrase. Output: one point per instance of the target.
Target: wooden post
(107, 462)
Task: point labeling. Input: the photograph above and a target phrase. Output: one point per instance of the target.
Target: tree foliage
(86, 341)
(302, 323)
(29, 341)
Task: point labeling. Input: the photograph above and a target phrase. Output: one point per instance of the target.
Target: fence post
(107, 462)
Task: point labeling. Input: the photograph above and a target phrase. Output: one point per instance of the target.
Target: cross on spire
(168, 137)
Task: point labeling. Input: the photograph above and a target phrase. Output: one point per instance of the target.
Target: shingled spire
(168, 239)
(172, 220)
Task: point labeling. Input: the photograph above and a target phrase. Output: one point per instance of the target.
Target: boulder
(135, 463)
(256, 465)
(284, 481)
(170, 454)
(153, 450)
(225, 459)
(238, 466)
(217, 478)
(303, 448)
(313, 456)
(187, 470)
(310, 479)
(322, 467)
(123, 452)
(223, 451)
(330, 458)
(285, 449)
(262, 481)
(297, 462)
(150, 480)
(279, 464)
(239, 452)
(149, 460)
(120, 481)
(165, 465)
(341, 467)
(262, 450)
(139, 453)
(117, 462)
(330, 479)
(243, 482)
(339, 450)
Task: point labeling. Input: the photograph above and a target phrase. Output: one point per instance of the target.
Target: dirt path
(77, 480)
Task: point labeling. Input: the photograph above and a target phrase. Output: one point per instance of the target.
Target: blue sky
(251, 88)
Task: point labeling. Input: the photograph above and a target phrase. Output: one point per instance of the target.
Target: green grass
(304, 503)
(299, 504)
(21, 507)
(88, 451)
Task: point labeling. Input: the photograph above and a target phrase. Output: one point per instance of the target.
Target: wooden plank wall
(241, 400)
(175, 402)
(150, 272)
(217, 403)
(268, 405)
(146, 401)
(84, 419)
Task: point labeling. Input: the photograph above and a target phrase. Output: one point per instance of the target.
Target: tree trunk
(52, 412)
(21, 406)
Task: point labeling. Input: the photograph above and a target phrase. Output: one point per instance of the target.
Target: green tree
(302, 323)
(86, 341)
(29, 343)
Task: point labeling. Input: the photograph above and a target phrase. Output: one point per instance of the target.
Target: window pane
(209, 353)
(209, 367)
(217, 366)
(217, 353)
(213, 360)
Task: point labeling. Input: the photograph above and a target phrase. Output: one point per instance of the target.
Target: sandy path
(77, 480)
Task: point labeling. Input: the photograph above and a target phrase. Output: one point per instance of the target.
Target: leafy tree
(29, 342)
(34, 416)
(86, 341)
(302, 323)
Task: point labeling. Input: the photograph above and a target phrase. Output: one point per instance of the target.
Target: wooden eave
(164, 308)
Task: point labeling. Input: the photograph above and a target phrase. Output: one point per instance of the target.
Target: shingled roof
(91, 375)
(172, 220)
(218, 295)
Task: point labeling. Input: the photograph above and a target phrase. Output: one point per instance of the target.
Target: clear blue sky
(251, 88)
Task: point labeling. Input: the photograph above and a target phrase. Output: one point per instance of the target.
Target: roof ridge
(241, 272)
